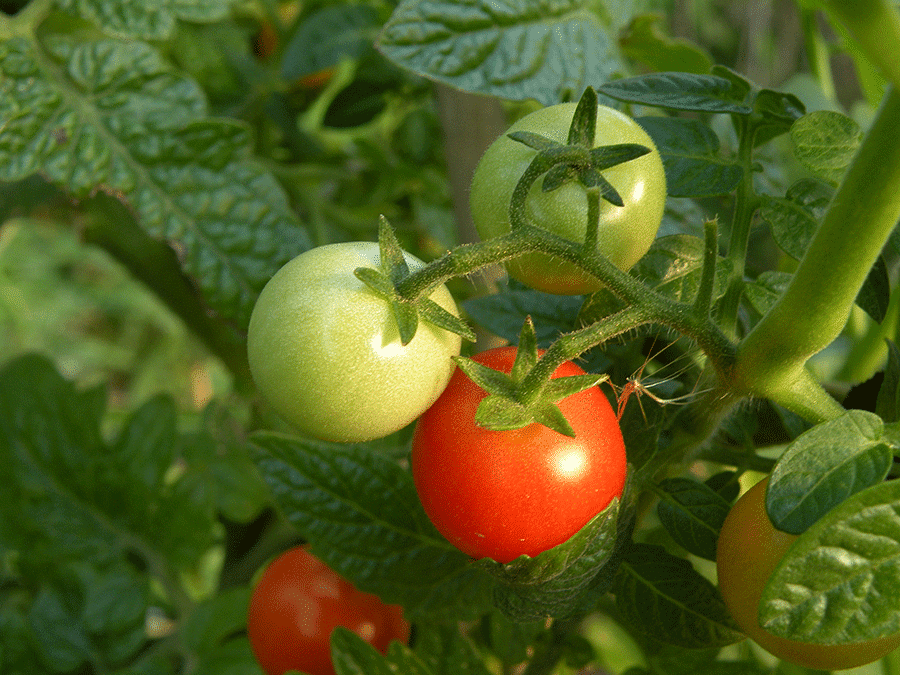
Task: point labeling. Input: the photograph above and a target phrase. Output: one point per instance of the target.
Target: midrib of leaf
(80, 105)
(669, 598)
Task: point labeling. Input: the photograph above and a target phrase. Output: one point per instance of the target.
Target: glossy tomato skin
(748, 552)
(502, 494)
(325, 351)
(625, 233)
(297, 603)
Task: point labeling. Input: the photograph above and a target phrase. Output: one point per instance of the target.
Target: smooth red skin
(299, 601)
(502, 494)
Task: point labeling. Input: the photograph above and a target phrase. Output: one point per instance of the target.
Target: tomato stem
(703, 301)
(744, 206)
(814, 308)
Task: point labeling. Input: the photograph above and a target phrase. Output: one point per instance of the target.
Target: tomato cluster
(326, 354)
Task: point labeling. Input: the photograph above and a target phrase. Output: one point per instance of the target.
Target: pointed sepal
(435, 314)
(393, 262)
(584, 121)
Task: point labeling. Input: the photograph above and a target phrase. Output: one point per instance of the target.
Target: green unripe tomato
(749, 550)
(325, 350)
(624, 233)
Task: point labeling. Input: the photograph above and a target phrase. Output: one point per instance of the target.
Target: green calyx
(512, 402)
(406, 312)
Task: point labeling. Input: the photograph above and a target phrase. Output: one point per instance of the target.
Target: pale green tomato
(325, 351)
(624, 234)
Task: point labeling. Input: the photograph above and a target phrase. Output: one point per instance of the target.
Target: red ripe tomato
(502, 494)
(296, 605)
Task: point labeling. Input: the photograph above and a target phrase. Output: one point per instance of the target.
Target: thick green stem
(875, 24)
(815, 306)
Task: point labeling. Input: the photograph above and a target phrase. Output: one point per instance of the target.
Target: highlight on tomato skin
(502, 494)
(749, 550)
(298, 602)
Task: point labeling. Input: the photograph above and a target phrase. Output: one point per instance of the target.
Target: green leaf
(553, 582)
(764, 291)
(510, 51)
(824, 466)
(215, 620)
(663, 597)
(875, 294)
(403, 660)
(775, 112)
(63, 642)
(504, 312)
(328, 35)
(674, 264)
(446, 651)
(693, 513)
(362, 517)
(147, 21)
(825, 142)
(690, 153)
(680, 91)
(113, 116)
(795, 217)
(840, 581)
(644, 40)
(146, 445)
(235, 657)
(887, 405)
(72, 495)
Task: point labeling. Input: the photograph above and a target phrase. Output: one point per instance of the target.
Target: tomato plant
(502, 494)
(624, 232)
(749, 550)
(325, 350)
(297, 603)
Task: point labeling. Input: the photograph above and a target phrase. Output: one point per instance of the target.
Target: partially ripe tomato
(325, 350)
(297, 603)
(502, 494)
(749, 550)
(625, 233)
